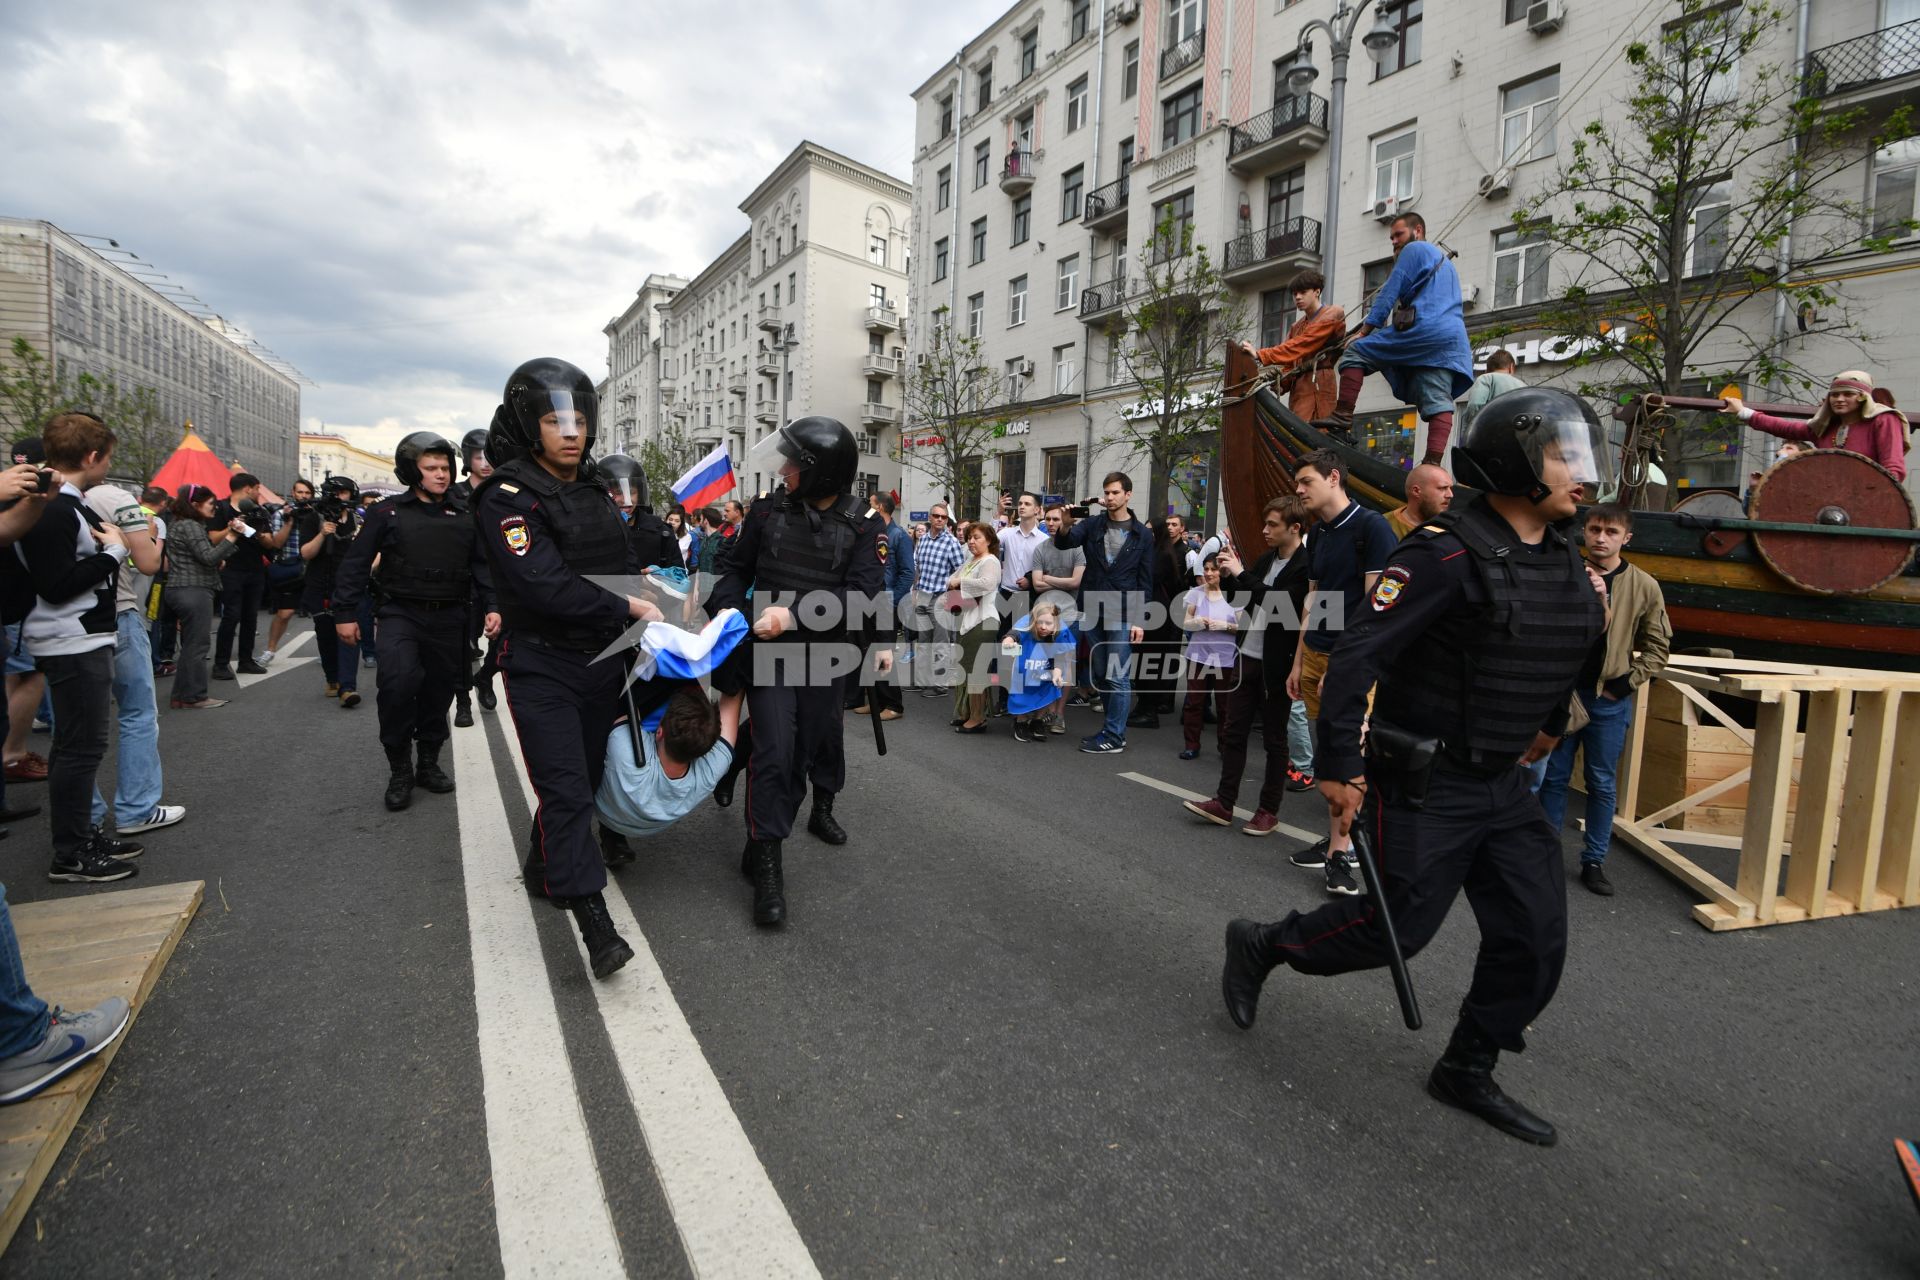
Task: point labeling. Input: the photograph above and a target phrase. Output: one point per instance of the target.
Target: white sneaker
(164, 815)
(265, 656)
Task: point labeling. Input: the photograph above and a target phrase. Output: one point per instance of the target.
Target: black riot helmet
(824, 451)
(474, 442)
(341, 487)
(621, 476)
(535, 389)
(1529, 440)
(407, 455)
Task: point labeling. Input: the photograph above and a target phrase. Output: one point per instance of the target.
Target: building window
(1016, 301)
(1022, 218)
(1076, 104)
(943, 189)
(1185, 19)
(1059, 465)
(1517, 10)
(1130, 70)
(1029, 53)
(976, 313)
(1707, 229)
(1066, 292)
(1286, 195)
(1173, 226)
(1372, 276)
(1014, 373)
(793, 286)
(982, 164)
(1079, 20)
(978, 245)
(1023, 131)
(1276, 316)
(876, 391)
(946, 115)
(985, 81)
(1063, 370)
(1126, 156)
(876, 295)
(1393, 158)
(1072, 182)
(1519, 267)
(1406, 50)
(1894, 168)
(1180, 117)
(940, 259)
(1013, 471)
(877, 250)
(1526, 118)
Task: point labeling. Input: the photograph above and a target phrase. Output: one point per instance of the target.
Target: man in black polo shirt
(1345, 553)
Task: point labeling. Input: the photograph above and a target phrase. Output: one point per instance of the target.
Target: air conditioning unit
(1469, 295)
(1545, 16)
(1385, 210)
(1026, 368)
(1496, 184)
(1126, 12)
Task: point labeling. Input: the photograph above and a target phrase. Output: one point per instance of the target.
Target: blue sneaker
(71, 1039)
(1100, 744)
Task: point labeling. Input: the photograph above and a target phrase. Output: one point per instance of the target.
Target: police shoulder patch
(518, 537)
(1386, 592)
(880, 548)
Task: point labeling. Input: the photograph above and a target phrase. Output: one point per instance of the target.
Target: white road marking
(279, 665)
(730, 1219)
(549, 1206)
(1184, 794)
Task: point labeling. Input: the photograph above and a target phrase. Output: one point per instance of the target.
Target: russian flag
(706, 480)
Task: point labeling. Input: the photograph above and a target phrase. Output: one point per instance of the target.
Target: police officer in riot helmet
(654, 545)
(546, 528)
(476, 467)
(1475, 633)
(430, 569)
(817, 568)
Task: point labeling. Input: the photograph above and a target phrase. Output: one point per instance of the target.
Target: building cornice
(811, 155)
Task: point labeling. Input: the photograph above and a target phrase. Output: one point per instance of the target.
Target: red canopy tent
(193, 463)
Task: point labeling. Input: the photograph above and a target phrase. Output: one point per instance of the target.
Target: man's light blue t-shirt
(639, 799)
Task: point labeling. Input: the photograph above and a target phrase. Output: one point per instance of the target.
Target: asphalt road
(989, 1041)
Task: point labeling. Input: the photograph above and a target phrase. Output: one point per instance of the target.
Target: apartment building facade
(1049, 148)
(802, 314)
(632, 407)
(80, 306)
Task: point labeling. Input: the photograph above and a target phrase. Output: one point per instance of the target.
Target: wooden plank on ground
(79, 951)
(1817, 818)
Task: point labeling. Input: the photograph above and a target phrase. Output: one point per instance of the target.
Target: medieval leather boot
(463, 712)
(1338, 424)
(1249, 960)
(1463, 1078)
(400, 781)
(430, 775)
(614, 849)
(769, 887)
(821, 822)
(606, 949)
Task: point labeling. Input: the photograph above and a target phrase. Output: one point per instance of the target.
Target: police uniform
(654, 545)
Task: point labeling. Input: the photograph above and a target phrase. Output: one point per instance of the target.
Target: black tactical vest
(803, 549)
(591, 537)
(653, 540)
(429, 556)
(1494, 677)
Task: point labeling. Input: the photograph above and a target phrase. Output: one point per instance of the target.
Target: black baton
(873, 713)
(1370, 872)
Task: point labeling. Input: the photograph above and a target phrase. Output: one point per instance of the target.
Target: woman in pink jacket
(1850, 419)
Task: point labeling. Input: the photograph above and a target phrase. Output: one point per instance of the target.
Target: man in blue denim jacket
(1117, 585)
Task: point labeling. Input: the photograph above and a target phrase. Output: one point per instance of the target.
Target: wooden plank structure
(1849, 841)
(78, 951)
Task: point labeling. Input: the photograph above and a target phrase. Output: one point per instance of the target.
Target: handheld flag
(705, 481)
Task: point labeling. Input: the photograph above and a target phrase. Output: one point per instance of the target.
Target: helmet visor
(1568, 448)
(572, 416)
(623, 490)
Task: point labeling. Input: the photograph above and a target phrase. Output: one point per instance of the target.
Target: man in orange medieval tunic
(1309, 351)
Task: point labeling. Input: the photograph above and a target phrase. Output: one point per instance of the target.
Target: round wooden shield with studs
(1716, 504)
(1841, 489)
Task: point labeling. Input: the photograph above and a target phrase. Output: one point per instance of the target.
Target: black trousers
(875, 697)
(1487, 836)
(563, 705)
(81, 685)
(241, 595)
(423, 654)
(1238, 707)
(797, 739)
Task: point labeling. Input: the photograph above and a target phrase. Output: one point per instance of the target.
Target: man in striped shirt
(937, 558)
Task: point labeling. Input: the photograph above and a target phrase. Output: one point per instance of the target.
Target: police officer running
(475, 467)
(430, 571)
(807, 546)
(546, 528)
(1476, 632)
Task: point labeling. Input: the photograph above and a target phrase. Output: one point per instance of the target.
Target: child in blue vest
(1040, 672)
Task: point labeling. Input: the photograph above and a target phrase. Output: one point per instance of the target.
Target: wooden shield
(1716, 504)
(1833, 487)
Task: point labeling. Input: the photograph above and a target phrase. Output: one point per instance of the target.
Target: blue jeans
(137, 757)
(1603, 739)
(23, 1015)
(1538, 772)
(1110, 652)
(1299, 739)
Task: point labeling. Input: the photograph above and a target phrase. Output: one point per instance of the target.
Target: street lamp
(1379, 40)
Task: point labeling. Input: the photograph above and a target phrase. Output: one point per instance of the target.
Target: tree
(1173, 330)
(144, 436)
(33, 389)
(664, 459)
(956, 408)
(1671, 220)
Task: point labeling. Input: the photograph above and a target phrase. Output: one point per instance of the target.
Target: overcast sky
(406, 198)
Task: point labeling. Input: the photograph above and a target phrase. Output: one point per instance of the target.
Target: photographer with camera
(326, 530)
(243, 583)
(286, 576)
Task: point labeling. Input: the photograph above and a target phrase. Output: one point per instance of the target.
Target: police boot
(483, 694)
(723, 790)
(430, 775)
(463, 712)
(769, 886)
(614, 849)
(821, 823)
(400, 781)
(1463, 1078)
(1250, 958)
(606, 949)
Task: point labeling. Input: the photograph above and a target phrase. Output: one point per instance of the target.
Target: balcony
(1881, 67)
(707, 440)
(769, 319)
(879, 415)
(875, 365)
(766, 412)
(1177, 58)
(1100, 302)
(883, 319)
(1275, 252)
(1016, 175)
(766, 364)
(738, 386)
(668, 391)
(1280, 139)
(1106, 207)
